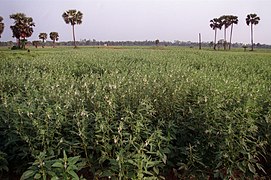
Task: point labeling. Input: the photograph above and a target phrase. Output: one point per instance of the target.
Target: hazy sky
(140, 19)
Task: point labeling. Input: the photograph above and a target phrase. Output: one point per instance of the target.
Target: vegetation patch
(135, 114)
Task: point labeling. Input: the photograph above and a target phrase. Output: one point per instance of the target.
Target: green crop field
(135, 113)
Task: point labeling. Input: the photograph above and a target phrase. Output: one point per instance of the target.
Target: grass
(136, 112)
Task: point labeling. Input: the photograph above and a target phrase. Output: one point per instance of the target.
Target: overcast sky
(140, 19)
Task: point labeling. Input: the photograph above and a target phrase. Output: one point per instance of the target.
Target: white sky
(140, 19)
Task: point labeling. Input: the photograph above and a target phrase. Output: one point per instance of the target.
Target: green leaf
(58, 164)
(164, 159)
(73, 174)
(259, 166)
(251, 168)
(219, 164)
(156, 170)
(106, 173)
(72, 167)
(65, 156)
(80, 165)
(73, 160)
(4, 168)
(37, 176)
(52, 174)
(241, 168)
(27, 174)
(132, 162)
(148, 173)
(55, 178)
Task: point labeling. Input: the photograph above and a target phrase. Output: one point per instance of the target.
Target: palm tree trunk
(199, 41)
(19, 43)
(42, 43)
(224, 38)
(54, 43)
(23, 44)
(215, 39)
(252, 44)
(230, 36)
(73, 36)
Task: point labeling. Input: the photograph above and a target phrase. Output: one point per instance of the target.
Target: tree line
(23, 28)
(227, 21)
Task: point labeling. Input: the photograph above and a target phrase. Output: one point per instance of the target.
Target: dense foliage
(54, 36)
(22, 28)
(141, 113)
(43, 37)
(2, 26)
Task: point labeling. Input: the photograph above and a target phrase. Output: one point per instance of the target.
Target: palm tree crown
(225, 20)
(72, 17)
(23, 26)
(1, 26)
(54, 36)
(43, 36)
(233, 19)
(252, 19)
(215, 23)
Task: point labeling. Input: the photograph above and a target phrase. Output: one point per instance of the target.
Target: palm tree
(226, 23)
(232, 20)
(215, 24)
(73, 17)
(252, 19)
(1, 26)
(54, 36)
(43, 36)
(22, 28)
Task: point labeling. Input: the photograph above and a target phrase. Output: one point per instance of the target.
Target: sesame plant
(135, 113)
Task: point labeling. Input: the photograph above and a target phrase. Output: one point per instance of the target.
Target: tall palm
(1, 26)
(215, 24)
(226, 23)
(54, 36)
(252, 19)
(232, 20)
(43, 36)
(72, 17)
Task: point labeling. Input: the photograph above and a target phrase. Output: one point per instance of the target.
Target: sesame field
(135, 113)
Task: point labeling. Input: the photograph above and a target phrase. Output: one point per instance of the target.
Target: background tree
(252, 19)
(43, 36)
(73, 17)
(232, 20)
(1, 26)
(156, 42)
(22, 28)
(226, 23)
(36, 43)
(54, 36)
(215, 24)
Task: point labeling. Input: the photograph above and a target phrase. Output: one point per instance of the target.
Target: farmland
(135, 113)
